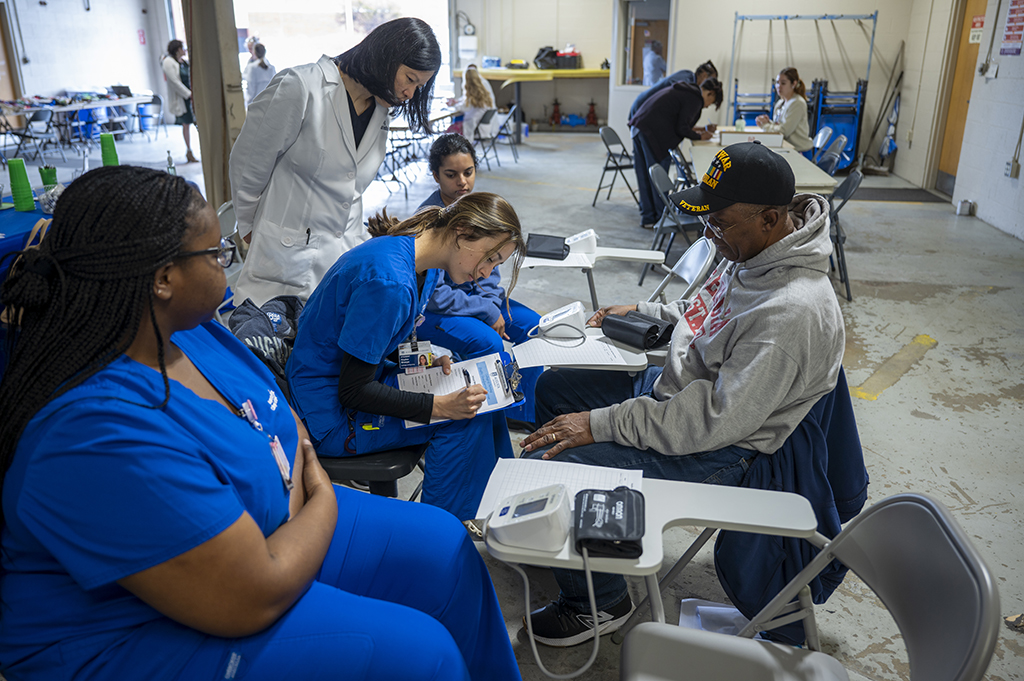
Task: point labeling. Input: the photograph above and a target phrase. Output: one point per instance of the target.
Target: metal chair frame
(615, 162)
(670, 213)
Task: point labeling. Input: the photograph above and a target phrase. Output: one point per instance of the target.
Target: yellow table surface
(521, 75)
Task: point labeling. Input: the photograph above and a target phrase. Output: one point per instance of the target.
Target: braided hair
(75, 303)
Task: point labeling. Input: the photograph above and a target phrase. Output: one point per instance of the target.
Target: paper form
(513, 476)
(485, 371)
(591, 351)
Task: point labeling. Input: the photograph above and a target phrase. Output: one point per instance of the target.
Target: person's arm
(272, 125)
(358, 390)
(449, 299)
(705, 415)
(240, 582)
(171, 71)
(789, 113)
(689, 113)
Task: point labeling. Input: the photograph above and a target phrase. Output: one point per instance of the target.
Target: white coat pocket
(284, 255)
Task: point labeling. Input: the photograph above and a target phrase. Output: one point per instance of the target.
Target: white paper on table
(513, 476)
(482, 371)
(590, 351)
(580, 260)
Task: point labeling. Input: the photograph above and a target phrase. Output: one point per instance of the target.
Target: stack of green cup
(107, 149)
(48, 174)
(21, 190)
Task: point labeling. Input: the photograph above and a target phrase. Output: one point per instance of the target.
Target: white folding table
(586, 262)
(672, 504)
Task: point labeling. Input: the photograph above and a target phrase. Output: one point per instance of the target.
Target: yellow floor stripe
(893, 368)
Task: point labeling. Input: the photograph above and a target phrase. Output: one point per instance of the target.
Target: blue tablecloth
(14, 229)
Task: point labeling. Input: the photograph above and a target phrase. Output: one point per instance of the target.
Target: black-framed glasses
(225, 252)
(718, 231)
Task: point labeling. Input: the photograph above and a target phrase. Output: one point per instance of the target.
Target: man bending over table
(750, 355)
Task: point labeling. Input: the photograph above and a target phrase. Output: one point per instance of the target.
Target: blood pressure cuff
(609, 524)
(547, 246)
(638, 330)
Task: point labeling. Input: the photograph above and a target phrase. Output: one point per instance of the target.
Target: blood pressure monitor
(537, 520)
(565, 322)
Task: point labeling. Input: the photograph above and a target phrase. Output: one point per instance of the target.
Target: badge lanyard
(249, 414)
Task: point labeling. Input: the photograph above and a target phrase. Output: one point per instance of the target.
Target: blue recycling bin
(145, 120)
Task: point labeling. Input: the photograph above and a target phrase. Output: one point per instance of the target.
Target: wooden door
(960, 94)
(644, 31)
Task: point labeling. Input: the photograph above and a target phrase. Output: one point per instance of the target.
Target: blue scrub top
(366, 305)
(102, 486)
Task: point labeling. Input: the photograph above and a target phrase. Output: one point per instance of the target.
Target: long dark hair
(374, 62)
(793, 77)
(446, 145)
(711, 84)
(76, 302)
(471, 217)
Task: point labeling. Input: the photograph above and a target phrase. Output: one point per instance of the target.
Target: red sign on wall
(142, 37)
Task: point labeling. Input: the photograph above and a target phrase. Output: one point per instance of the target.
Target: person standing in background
(705, 70)
(179, 93)
(660, 125)
(654, 64)
(790, 114)
(312, 143)
(258, 73)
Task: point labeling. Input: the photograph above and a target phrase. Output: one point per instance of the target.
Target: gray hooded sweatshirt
(750, 356)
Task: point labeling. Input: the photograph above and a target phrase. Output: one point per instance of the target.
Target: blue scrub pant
(568, 391)
(402, 594)
(470, 337)
(459, 458)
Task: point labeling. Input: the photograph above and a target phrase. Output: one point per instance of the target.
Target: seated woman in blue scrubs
(164, 514)
(341, 379)
(471, 319)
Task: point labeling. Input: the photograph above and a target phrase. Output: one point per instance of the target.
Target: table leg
(654, 594)
(519, 112)
(593, 290)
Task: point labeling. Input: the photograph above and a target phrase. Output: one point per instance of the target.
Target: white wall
(69, 48)
(993, 127)
(516, 29)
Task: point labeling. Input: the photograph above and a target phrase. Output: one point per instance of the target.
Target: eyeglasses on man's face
(718, 231)
(225, 252)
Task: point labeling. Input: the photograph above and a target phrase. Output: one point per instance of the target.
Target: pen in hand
(465, 375)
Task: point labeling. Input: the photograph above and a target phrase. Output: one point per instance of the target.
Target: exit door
(960, 94)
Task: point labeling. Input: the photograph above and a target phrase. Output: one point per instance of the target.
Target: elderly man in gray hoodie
(758, 346)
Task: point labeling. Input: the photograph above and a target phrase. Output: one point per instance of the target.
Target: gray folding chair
(842, 194)
(692, 267)
(910, 551)
(837, 146)
(506, 132)
(616, 161)
(486, 144)
(39, 128)
(821, 138)
(829, 162)
(673, 221)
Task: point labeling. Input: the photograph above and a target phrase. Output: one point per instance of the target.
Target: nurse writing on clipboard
(312, 142)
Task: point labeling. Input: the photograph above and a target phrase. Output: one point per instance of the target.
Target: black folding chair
(614, 162)
(486, 144)
(842, 194)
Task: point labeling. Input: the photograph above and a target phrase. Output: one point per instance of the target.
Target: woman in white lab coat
(258, 73)
(179, 93)
(311, 144)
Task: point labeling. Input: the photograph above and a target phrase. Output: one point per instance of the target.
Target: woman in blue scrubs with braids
(342, 381)
(164, 513)
(471, 319)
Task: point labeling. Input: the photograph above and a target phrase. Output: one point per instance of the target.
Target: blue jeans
(643, 158)
(568, 391)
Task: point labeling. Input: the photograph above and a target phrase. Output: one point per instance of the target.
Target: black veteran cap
(748, 172)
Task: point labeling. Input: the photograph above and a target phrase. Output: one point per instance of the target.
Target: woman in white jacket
(311, 144)
(258, 73)
(790, 114)
(179, 94)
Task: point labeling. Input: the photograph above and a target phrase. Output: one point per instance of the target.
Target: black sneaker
(560, 625)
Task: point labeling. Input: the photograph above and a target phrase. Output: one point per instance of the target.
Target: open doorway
(647, 41)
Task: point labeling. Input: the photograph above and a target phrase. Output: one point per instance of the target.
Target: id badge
(415, 357)
(282, 463)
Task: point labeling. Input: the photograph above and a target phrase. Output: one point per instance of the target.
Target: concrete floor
(948, 423)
